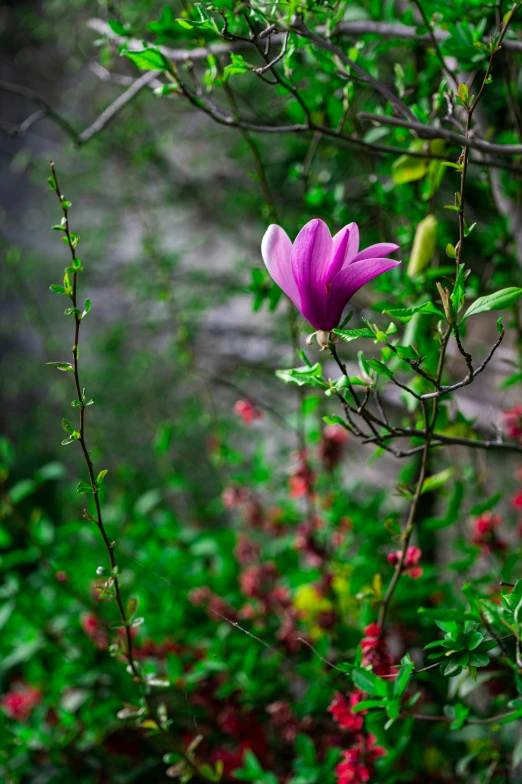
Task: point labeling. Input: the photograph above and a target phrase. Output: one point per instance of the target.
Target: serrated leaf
(352, 334)
(406, 314)
(380, 368)
(498, 301)
(303, 376)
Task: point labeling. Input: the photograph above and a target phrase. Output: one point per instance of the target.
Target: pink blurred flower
(342, 711)
(302, 479)
(247, 411)
(95, 630)
(375, 651)
(513, 423)
(484, 532)
(410, 565)
(516, 501)
(357, 766)
(332, 443)
(20, 702)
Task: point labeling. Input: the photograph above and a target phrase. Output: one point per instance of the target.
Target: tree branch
(433, 132)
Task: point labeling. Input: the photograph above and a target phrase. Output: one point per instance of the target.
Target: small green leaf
(149, 59)
(406, 314)
(498, 301)
(368, 682)
(463, 93)
(304, 376)
(352, 334)
(380, 368)
(406, 352)
(101, 476)
(407, 168)
(403, 676)
(65, 366)
(83, 487)
(57, 289)
(334, 419)
(437, 480)
(118, 27)
(67, 426)
(237, 66)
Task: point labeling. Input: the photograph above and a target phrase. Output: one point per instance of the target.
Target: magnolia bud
(424, 245)
(323, 339)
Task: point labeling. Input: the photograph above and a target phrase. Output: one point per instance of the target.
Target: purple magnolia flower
(321, 274)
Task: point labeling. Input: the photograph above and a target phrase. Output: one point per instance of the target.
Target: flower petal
(353, 244)
(376, 251)
(276, 249)
(311, 257)
(349, 280)
(345, 245)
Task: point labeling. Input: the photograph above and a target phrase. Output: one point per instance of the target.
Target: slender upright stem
(113, 580)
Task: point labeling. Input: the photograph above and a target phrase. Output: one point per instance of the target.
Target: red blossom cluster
(242, 498)
(375, 651)
(20, 701)
(331, 448)
(306, 542)
(247, 411)
(283, 720)
(258, 583)
(302, 478)
(95, 630)
(357, 765)
(411, 561)
(241, 728)
(485, 533)
(513, 423)
(342, 711)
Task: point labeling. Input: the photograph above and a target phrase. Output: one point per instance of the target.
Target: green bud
(424, 245)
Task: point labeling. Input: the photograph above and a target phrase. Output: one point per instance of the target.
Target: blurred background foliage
(215, 506)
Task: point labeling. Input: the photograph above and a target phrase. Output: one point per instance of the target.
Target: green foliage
(256, 544)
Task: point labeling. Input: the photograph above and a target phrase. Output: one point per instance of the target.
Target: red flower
(19, 703)
(484, 533)
(342, 711)
(331, 448)
(245, 550)
(516, 501)
(302, 478)
(283, 720)
(410, 565)
(513, 423)
(358, 761)
(247, 411)
(94, 629)
(375, 651)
